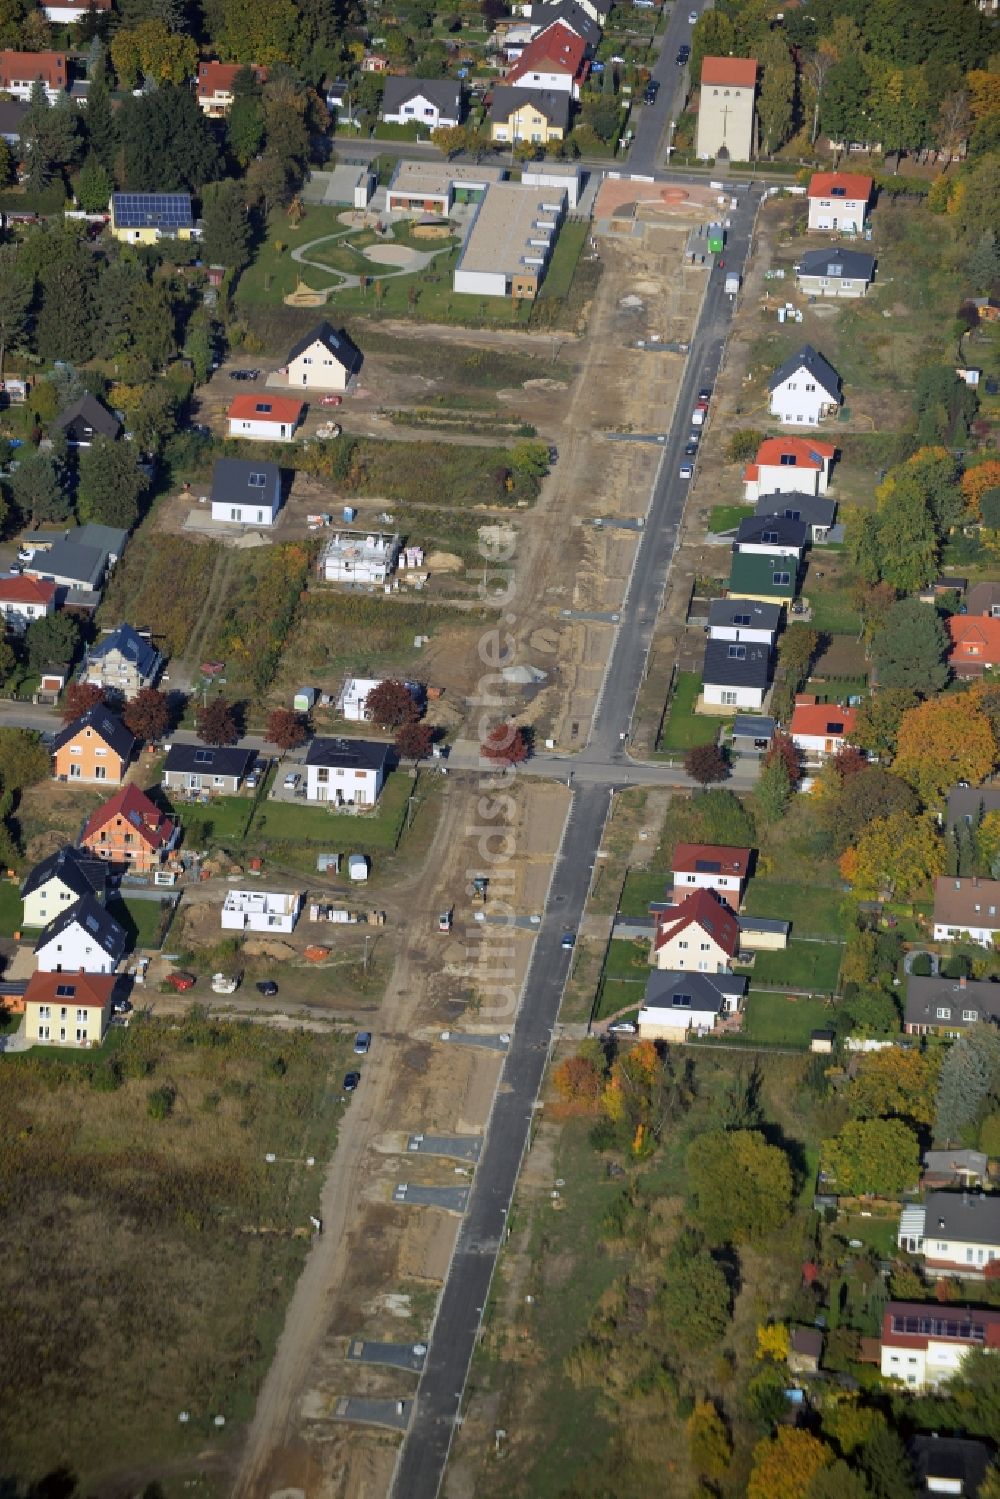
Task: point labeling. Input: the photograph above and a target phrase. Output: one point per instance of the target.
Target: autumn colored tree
(879, 1156)
(976, 481)
(785, 1465)
(709, 1442)
(505, 744)
(895, 855)
(579, 1081)
(895, 1084)
(413, 740)
(783, 748)
(876, 726)
(148, 714)
(286, 728)
(706, 763)
(942, 741)
(78, 698)
(848, 762)
(772, 1342)
(390, 704)
(216, 722)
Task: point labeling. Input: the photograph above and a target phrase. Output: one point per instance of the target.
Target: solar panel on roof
(163, 210)
(203, 757)
(707, 866)
(91, 923)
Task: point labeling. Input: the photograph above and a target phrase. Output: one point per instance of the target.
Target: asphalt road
(424, 1454)
(651, 122)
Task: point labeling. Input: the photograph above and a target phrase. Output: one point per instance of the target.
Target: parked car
(351, 1080)
(362, 1043)
(690, 449)
(252, 781)
(122, 1007)
(181, 981)
(704, 395)
(222, 983)
(331, 400)
(692, 17)
(291, 780)
(245, 374)
(568, 941)
(686, 470)
(683, 53)
(623, 1028)
(267, 987)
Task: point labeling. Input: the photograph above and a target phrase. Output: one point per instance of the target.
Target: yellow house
(521, 114)
(146, 218)
(68, 1009)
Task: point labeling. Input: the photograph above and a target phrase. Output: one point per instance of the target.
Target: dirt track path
(184, 669)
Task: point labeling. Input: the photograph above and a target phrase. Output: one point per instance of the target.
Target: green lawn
(775, 1018)
(221, 820)
(812, 910)
(728, 517)
(641, 887)
(627, 960)
(683, 728)
(295, 822)
(562, 266)
(140, 918)
(832, 607)
(803, 965)
(11, 909)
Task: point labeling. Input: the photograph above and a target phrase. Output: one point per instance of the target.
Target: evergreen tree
(99, 121)
(983, 264)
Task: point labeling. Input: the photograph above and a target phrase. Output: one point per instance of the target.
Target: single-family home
(970, 804)
(509, 242)
(433, 102)
(975, 643)
(726, 120)
(752, 734)
(769, 578)
(816, 511)
(374, 62)
(353, 696)
(966, 906)
(146, 218)
(24, 599)
(265, 418)
(804, 389)
(805, 1350)
(83, 938)
(788, 465)
(215, 86)
(835, 273)
(937, 1006)
(79, 559)
(735, 674)
(96, 747)
(12, 113)
(20, 71)
(260, 911)
(819, 730)
(360, 557)
(701, 935)
(924, 1344)
(675, 1004)
(347, 772)
(945, 1169)
(122, 661)
(554, 61)
(59, 881)
(839, 200)
(325, 359)
(536, 115)
(984, 598)
(68, 1009)
(710, 866)
(951, 1465)
(246, 492)
(743, 620)
(956, 1233)
(129, 831)
(568, 13)
(86, 419)
(205, 768)
(771, 536)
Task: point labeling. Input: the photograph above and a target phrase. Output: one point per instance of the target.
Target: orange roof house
(555, 59)
(850, 185)
(130, 830)
(269, 417)
(68, 1009)
(710, 866)
(215, 85)
(975, 644)
(784, 465)
(839, 200)
(820, 729)
(19, 71)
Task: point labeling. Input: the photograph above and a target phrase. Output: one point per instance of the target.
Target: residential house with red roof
(711, 866)
(19, 72)
(924, 1343)
(726, 118)
(215, 86)
(23, 600)
(839, 200)
(819, 730)
(68, 1009)
(975, 643)
(265, 417)
(554, 61)
(130, 831)
(788, 465)
(701, 935)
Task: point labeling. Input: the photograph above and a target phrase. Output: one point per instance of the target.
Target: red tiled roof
(92, 991)
(18, 67)
(18, 589)
(690, 857)
(144, 817)
(849, 185)
(701, 908)
(822, 720)
(751, 473)
(219, 77)
(975, 640)
(557, 50)
(280, 408)
(941, 1318)
(734, 72)
(807, 454)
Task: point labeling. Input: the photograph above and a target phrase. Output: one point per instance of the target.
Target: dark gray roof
(925, 996)
(851, 265)
(771, 530)
(552, 103)
(983, 598)
(732, 664)
(445, 93)
(79, 872)
(960, 1459)
(94, 413)
(339, 344)
(110, 727)
(971, 803)
(821, 370)
(231, 479)
(747, 726)
(354, 754)
(209, 759)
(572, 15)
(133, 646)
(111, 539)
(66, 558)
(968, 1216)
(91, 915)
(692, 991)
(814, 509)
(744, 614)
(763, 924)
(12, 113)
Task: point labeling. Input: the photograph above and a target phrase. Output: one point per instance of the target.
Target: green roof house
(770, 579)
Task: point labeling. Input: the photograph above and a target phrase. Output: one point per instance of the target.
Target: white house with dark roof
(347, 772)
(122, 661)
(835, 273)
(433, 102)
(325, 359)
(202, 767)
(938, 1006)
(743, 619)
(804, 390)
(735, 675)
(817, 511)
(85, 420)
(246, 493)
(675, 1004)
(771, 536)
(82, 939)
(956, 1233)
(59, 882)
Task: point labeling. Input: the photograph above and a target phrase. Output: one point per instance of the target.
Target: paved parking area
(394, 1413)
(466, 1038)
(451, 1199)
(461, 1147)
(397, 1355)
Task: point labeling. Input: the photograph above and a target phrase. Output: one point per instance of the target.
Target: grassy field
(812, 910)
(222, 820)
(683, 727)
(89, 1309)
(728, 517)
(641, 887)
(775, 1018)
(562, 266)
(11, 909)
(141, 919)
(803, 965)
